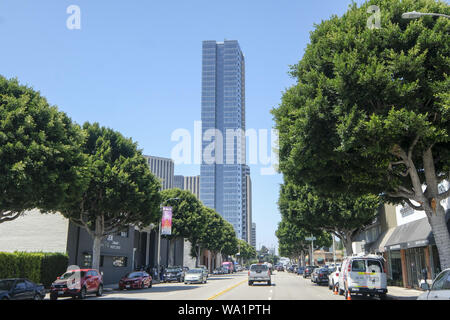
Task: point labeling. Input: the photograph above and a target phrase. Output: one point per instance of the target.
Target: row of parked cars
(357, 275)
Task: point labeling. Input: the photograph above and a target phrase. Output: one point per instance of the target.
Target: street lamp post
(159, 237)
(416, 15)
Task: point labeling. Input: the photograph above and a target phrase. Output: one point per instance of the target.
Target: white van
(363, 275)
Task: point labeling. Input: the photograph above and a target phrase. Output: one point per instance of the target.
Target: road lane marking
(226, 290)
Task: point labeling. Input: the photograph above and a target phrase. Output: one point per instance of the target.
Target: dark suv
(77, 284)
(308, 271)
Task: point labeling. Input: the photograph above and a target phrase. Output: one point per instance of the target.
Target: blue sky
(135, 66)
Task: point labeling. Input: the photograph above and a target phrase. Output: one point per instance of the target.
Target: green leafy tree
(370, 112)
(230, 244)
(41, 162)
(189, 220)
(344, 215)
(246, 251)
(214, 237)
(292, 240)
(121, 190)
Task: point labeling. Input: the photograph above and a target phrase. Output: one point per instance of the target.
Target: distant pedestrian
(424, 274)
(161, 273)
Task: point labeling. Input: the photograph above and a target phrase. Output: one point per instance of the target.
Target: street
(285, 286)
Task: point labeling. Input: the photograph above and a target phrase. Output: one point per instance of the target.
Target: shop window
(120, 261)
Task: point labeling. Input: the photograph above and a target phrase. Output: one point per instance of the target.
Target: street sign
(310, 238)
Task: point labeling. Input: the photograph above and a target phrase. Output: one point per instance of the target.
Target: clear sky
(135, 66)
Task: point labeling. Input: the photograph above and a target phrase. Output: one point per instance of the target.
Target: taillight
(349, 267)
(337, 274)
(249, 273)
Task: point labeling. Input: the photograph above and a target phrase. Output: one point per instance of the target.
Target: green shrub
(52, 266)
(39, 267)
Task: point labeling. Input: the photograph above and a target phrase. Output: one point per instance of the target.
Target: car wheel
(100, 291)
(37, 297)
(341, 292)
(383, 296)
(269, 283)
(5, 298)
(142, 285)
(82, 294)
(151, 284)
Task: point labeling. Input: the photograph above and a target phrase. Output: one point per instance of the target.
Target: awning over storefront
(410, 235)
(380, 243)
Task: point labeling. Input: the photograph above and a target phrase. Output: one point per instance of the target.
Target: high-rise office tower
(223, 172)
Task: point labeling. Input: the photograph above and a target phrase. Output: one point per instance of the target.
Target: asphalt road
(285, 286)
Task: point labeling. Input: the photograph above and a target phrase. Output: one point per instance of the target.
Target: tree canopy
(41, 163)
(121, 190)
(370, 112)
(343, 215)
(292, 239)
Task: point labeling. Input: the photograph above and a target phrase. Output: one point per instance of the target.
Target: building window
(120, 261)
(123, 234)
(87, 260)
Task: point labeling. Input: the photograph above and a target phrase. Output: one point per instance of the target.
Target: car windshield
(6, 284)
(259, 267)
(323, 270)
(195, 271)
(133, 275)
(69, 274)
(173, 270)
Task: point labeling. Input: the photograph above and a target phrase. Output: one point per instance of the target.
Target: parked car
(333, 278)
(363, 275)
(320, 275)
(280, 268)
(77, 284)
(308, 270)
(439, 290)
(219, 271)
(173, 274)
(300, 270)
(21, 289)
(196, 275)
(136, 280)
(205, 270)
(259, 273)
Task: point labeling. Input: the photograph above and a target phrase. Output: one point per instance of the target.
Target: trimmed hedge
(39, 267)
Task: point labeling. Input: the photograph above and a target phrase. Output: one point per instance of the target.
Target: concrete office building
(223, 170)
(34, 232)
(162, 168)
(190, 183)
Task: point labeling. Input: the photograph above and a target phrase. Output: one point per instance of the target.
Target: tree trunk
(441, 235)
(96, 247)
(96, 252)
(171, 252)
(347, 241)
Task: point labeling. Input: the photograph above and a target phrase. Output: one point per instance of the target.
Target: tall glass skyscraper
(223, 172)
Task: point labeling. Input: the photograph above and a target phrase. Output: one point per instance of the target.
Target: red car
(136, 280)
(77, 284)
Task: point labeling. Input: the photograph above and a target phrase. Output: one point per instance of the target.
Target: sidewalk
(400, 293)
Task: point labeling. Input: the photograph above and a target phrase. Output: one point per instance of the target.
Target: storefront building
(411, 254)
